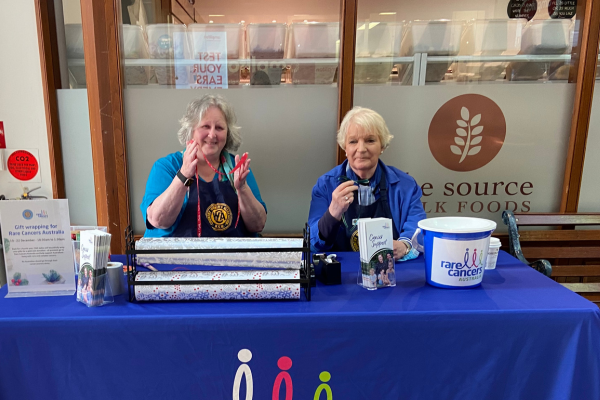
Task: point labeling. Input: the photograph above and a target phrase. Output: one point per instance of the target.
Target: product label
(457, 262)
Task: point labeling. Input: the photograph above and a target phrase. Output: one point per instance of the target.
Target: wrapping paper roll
(285, 260)
(256, 289)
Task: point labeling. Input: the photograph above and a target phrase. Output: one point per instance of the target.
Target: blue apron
(218, 211)
(347, 237)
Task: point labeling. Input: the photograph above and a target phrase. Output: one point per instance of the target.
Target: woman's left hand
(400, 249)
(239, 176)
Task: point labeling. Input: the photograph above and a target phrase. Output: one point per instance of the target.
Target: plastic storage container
(169, 42)
(456, 250)
(376, 40)
(74, 42)
(266, 42)
(436, 38)
(547, 37)
(314, 40)
(235, 34)
(493, 37)
(134, 46)
(492, 257)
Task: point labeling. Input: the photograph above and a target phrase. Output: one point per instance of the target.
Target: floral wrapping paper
(285, 260)
(257, 290)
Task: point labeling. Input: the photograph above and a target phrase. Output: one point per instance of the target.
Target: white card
(37, 247)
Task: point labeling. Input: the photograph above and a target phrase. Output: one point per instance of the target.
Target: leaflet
(37, 247)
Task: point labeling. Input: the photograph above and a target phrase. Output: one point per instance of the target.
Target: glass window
(477, 96)
(590, 182)
(73, 116)
(275, 63)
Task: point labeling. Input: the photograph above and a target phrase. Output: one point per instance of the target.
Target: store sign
(562, 9)
(498, 147)
(23, 164)
(211, 70)
(522, 9)
(37, 247)
(467, 132)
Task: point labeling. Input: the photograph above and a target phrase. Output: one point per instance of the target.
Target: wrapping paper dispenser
(132, 255)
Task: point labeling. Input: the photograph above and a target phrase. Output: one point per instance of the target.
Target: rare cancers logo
(472, 266)
(467, 132)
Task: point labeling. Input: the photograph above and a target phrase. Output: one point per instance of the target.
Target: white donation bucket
(456, 250)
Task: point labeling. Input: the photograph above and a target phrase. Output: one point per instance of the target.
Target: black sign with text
(522, 9)
(562, 9)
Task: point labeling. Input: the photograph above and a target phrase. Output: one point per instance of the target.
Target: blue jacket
(162, 174)
(404, 200)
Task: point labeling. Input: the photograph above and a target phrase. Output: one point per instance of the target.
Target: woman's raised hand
(240, 174)
(341, 198)
(190, 159)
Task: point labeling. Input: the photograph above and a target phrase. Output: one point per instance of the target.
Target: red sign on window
(2, 140)
(22, 165)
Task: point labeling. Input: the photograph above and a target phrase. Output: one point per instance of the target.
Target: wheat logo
(456, 134)
(467, 141)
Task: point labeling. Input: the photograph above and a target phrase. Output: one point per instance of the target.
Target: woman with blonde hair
(204, 190)
(364, 187)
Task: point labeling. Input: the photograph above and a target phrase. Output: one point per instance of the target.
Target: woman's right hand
(341, 198)
(190, 159)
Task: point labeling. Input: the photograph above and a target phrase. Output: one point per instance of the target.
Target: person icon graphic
(284, 364)
(244, 356)
(324, 377)
(466, 260)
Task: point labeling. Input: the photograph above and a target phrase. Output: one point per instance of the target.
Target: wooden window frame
(101, 32)
(49, 62)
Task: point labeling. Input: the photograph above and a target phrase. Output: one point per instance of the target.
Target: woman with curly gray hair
(204, 191)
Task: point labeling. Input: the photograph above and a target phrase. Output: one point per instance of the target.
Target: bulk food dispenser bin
(266, 45)
(314, 40)
(376, 40)
(435, 38)
(488, 37)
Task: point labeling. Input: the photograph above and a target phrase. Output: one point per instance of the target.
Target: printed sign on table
(37, 248)
(210, 49)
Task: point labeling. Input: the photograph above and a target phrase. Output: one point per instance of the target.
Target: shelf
(362, 60)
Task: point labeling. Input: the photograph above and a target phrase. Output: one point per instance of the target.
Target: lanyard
(199, 211)
(344, 178)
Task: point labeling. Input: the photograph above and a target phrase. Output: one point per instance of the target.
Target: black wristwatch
(184, 180)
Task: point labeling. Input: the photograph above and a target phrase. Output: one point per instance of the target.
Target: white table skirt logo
(283, 378)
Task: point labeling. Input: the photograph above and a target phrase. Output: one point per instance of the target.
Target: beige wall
(21, 96)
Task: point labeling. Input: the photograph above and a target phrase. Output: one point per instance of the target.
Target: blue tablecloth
(519, 336)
